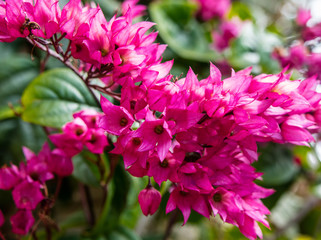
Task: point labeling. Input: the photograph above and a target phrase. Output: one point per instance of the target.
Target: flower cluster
(28, 181)
(115, 50)
(226, 29)
(202, 136)
(210, 9)
(82, 132)
(301, 54)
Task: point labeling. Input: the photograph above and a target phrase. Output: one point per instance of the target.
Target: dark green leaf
(277, 164)
(86, 171)
(52, 98)
(179, 29)
(15, 74)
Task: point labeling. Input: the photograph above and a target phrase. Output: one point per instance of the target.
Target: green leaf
(123, 233)
(277, 164)
(15, 74)
(240, 10)
(85, 171)
(52, 98)
(109, 7)
(179, 29)
(15, 133)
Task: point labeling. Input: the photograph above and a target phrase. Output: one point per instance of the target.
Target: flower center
(192, 157)
(79, 132)
(159, 129)
(217, 197)
(164, 164)
(123, 121)
(103, 52)
(93, 139)
(137, 141)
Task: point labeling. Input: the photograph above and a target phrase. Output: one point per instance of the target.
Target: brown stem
(171, 223)
(48, 232)
(55, 55)
(44, 62)
(59, 183)
(105, 90)
(2, 237)
(87, 204)
(68, 64)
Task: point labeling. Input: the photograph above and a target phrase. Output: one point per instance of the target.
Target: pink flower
(149, 200)
(22, 221)
(228, 30)
(223, 203)
(127, 146)
(213, 8)
(303, 17)
(96, 140)
(193, 176)
(117, 119)
(61, 163)
(68, 145)
(166, 169)
(135, 10)
(9, 177)
(76, 129)
(155, 134)
(27, 195)
(89, 116)
(187, 200)
(37, 166)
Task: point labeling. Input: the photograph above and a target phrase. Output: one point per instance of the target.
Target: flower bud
(149, 200)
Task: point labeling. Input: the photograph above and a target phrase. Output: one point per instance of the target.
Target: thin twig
(87, 204)
(62, 59)
(170, 225)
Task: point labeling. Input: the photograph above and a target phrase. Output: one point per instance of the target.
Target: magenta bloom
(187, 200)
(166, 169)
(155, 134)
(89, 116)
(22, 221)
(9, 177)
(303, 16)
(228, 31)
(213, 8)
(135, 10)
(61, 163)
(116, 119)
(149, 200)
(27, 195)
(76, 129)
(37, 166)
(128, 147)
(96, 140)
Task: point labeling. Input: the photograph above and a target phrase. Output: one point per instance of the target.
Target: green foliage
(277, 164)
(52, 98)
(85, 170)
(181, 31)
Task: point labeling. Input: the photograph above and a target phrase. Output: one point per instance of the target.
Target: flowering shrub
(195, 139)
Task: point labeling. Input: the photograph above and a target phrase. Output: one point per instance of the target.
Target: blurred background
(247, 33)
